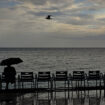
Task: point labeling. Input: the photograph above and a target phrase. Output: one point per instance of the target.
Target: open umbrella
(11, 61)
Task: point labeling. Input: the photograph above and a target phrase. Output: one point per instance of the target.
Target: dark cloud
(84, 15)
(36, 2)
(98, 1)
(80, 22)
(102, 19)
(45, 13)
(92, 37)
(43, 2)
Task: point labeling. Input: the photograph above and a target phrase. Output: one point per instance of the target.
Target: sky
(74, 23)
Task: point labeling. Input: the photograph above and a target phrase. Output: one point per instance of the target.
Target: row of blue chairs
(49, 77)
(65, 76)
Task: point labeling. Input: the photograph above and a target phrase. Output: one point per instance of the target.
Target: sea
(56, 59)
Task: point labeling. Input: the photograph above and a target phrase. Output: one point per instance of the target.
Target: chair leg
(76, 84)
(51, 84)
(100, 84)
(96, 84)
(37, 85)
(88, 86)
(72, 84)
(84, 85)
(15, 85)
(22, 85)
(65, 84)
(81, 83)
(48, 84)
(55, 84)
(88, 83)
(55, 87)
(31, 84)
(68, 85)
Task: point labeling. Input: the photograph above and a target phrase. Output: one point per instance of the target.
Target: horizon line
(45, 47)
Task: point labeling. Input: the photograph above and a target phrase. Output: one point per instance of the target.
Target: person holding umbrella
(9, 71)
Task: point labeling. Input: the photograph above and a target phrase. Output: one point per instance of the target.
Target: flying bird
(49, 17)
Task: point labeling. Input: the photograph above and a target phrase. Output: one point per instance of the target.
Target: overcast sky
(75, 23)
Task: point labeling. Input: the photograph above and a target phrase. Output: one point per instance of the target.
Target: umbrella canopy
(11, 61)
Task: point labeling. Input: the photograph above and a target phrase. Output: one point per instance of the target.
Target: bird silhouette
(49, 17)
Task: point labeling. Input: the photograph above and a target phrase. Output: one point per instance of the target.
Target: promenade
(29, 82)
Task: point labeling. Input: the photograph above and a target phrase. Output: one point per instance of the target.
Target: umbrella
(11, 61)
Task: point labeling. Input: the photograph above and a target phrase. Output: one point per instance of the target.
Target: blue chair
(61, 76)
(94, 76)
(26, 77)
(44, 76)
(78, 76)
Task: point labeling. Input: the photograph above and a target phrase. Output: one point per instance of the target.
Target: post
(104, 84)
(0, 82)
(84, 85)
(35, 81)
(51, 83)
(19, 81)
(96, 84)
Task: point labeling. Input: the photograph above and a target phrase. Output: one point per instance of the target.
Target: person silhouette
(9, 75)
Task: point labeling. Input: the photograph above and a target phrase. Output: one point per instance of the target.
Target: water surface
(53, 59)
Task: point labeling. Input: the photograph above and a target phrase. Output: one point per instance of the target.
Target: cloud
(98, 1)
(102, 19)
(36, 2)
(49, 2)
(24, 23)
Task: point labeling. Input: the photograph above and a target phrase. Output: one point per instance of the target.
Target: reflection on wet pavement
(58, 98)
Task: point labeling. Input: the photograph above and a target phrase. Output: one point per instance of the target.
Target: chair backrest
(78, 75)
(94, 74)
(44, 75)
(61, 75)
(27, 76)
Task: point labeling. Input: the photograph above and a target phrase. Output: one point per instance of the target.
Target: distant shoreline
(52, 47)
